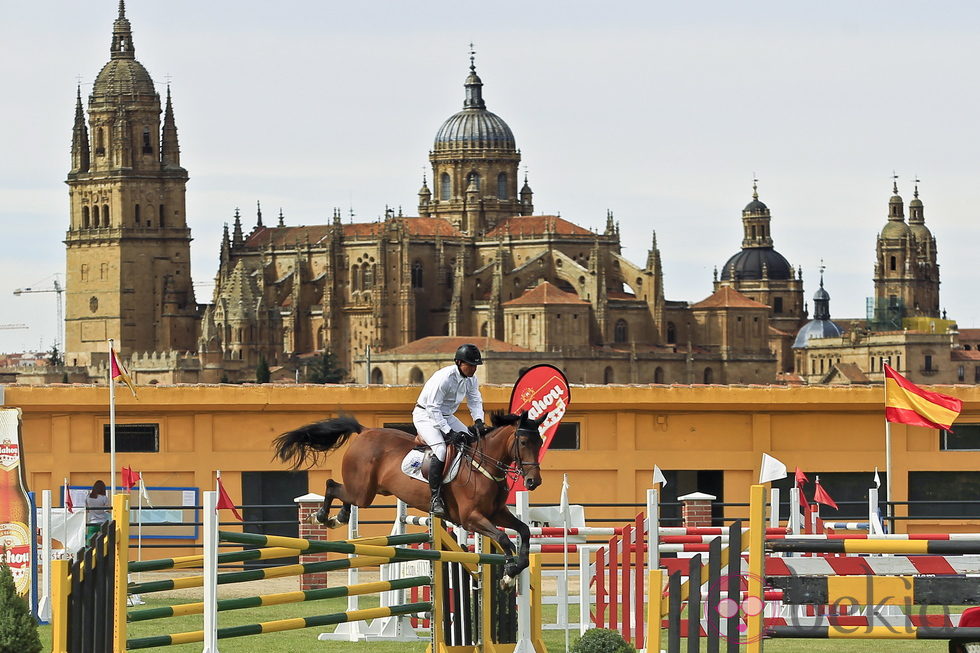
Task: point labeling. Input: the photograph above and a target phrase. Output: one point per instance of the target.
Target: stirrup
(438, 508)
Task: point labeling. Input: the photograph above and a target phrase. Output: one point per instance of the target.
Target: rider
(435, 417)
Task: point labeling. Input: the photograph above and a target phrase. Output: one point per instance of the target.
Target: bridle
(514, 470)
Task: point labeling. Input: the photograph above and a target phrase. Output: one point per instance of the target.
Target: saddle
(451, 454)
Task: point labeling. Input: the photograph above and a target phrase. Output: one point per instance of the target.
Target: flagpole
(112, 427)
(889, 512)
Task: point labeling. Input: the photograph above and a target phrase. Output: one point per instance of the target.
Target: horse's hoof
(333, 522)
(508, 582)
(314, 519)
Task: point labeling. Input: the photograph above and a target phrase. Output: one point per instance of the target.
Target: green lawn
(305, 639)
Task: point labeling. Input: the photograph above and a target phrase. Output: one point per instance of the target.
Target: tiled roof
(970, 334)
(619, 294)
(533, 225)
(964, 355)
(288, 236)
(728, 297)
(546, 293)
(449, 345)
(773, 331)
(851, 372)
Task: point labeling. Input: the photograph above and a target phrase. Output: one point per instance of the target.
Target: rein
(481, 460)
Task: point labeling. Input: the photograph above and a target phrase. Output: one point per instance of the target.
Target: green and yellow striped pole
(281, 625)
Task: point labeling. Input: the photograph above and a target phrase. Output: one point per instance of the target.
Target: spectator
(97, 509)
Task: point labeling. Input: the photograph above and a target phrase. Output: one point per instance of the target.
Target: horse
(476, 499)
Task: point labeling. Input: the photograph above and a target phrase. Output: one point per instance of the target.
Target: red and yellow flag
(118, 372)
(907, 403)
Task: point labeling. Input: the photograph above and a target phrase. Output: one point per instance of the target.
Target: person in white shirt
(435, 412)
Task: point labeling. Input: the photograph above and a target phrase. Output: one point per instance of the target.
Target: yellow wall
(625, 430)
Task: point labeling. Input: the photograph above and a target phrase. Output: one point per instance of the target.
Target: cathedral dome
(748, 264)
(895, 229)
(123, 77)
(816, 329)
(474, 126)
(755, 206)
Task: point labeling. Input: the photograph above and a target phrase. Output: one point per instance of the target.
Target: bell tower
(128, 245)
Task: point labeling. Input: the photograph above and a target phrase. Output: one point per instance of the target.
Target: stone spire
(258, 214)
(122, 36)
(236, 238)
(169, 146)
(282, 219)
(821, 301)
(80, 156)
(527, 196)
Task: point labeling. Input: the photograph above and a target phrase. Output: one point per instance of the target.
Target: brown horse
(476, 498)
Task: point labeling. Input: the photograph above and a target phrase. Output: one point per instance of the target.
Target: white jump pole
(210, 572)
(524, 642)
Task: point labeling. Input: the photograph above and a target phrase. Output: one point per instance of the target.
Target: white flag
(658, 477)
(143, 492)
(877, 479)
(772, 469)
(564, 501)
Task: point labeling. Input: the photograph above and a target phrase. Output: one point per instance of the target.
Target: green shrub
(600, 640)
(18, 629)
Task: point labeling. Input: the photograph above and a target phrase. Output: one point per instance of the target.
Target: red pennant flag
(803, 502)
(224, 501)
(800, 476)
(68, 503)
(130, 479)
(820, 496)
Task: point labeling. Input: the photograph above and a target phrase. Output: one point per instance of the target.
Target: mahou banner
(541, 389)
(15, 509)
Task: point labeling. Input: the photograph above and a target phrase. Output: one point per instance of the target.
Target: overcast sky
(661, 112)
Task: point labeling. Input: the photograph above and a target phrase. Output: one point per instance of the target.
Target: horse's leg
(507, 519)
(333, 491)
(484, 526)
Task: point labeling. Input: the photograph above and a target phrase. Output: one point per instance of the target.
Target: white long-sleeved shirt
(444, 392)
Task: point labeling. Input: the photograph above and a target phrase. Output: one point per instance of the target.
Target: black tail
(303, 445)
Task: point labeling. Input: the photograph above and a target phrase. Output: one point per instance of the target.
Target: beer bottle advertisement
(15, 508)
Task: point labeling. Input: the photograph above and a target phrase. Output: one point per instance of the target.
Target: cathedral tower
(474, 168)
(906, 273)
(128, 245)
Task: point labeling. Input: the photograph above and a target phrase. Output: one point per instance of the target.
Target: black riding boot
(435, 484)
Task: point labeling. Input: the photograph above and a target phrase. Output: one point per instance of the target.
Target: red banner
(541, 389)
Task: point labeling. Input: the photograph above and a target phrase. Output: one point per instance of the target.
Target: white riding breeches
(431, 435)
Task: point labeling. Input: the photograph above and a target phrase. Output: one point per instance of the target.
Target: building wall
(624, 431)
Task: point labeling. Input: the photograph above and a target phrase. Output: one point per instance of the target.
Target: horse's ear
(539, 422)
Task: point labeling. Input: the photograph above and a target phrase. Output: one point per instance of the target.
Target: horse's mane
(500, 418)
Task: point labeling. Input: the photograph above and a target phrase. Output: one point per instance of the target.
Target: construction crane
(57, 288)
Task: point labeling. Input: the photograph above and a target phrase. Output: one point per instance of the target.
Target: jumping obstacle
(107, 573)
(746, 617)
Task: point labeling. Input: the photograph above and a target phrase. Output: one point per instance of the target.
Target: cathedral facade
(474, 263)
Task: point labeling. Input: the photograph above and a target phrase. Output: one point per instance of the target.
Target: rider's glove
(458, 437)
(478, 428)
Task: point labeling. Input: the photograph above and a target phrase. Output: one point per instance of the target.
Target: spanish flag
(907, 403)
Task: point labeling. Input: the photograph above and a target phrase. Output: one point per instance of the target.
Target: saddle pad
(412, 466)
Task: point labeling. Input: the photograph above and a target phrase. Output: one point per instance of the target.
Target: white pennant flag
(564, 501)
(772, 469)
(877, 479)
(143, 492)
(658, 477)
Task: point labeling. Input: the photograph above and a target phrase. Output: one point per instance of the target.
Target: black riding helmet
(469, 353)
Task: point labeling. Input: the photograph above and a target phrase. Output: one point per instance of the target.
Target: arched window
(86, 219)
(105, 215)
(445, 187)
(355, 278)
(137, 214)
(502, 186)
(100, 142)
(621, 331)
(891, 263)
(377, 377)
(709, 375)
(417, 274)
(671, 333)
(485, 329)
(95, 216)
(777, 305)
(84, 271)
(473, 179)
(367, 276)
(147, 146)
(753, 232)
(415, 376)
(162, 214)
(609, 376)
(658, 375)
